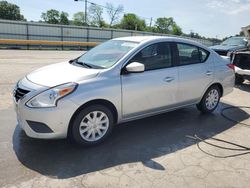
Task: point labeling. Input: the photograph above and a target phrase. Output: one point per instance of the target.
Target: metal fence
(52, 32)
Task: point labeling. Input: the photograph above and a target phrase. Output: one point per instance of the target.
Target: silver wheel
(212, 99)
(94, 126)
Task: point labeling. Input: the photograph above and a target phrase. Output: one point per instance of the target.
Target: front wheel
(210, 100)
(92, 125)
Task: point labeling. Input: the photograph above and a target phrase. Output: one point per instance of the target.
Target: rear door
(196, 72)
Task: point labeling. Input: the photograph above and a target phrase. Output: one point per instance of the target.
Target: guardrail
(33, 35)
(46, 42)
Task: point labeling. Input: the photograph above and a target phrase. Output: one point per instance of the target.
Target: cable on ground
(244, 149)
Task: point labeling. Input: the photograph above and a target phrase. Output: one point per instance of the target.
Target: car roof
(139, 38)
(237, 37)
(143, 39)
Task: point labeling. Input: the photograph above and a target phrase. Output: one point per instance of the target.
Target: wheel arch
(219, 85)
(103, 102)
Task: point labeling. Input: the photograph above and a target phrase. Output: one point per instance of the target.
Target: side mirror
(135, 67)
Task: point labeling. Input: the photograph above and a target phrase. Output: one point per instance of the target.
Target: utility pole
(85, 13)
(150, 22)
(85, 17)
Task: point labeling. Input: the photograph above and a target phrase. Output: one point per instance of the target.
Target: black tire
(75, 128)
(238, 79)
(201, 106)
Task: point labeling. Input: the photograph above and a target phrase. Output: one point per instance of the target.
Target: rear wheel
(238, 79)
(210, 100)
(92, 125)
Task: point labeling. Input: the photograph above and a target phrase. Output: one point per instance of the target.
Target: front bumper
(243, 72)
(57, 118)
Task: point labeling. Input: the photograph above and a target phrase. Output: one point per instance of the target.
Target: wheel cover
(94, 126)
(212, 99)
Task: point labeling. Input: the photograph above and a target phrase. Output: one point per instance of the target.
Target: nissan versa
(120, 80)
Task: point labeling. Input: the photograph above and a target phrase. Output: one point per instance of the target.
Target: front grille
(20, 93)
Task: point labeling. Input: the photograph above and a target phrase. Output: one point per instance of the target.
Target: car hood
(60, 73)
(226, 48)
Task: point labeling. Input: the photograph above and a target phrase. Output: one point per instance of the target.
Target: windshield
(234, 41)
(106, 54)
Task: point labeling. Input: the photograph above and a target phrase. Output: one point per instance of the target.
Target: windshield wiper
(87, 65)
(83, 64)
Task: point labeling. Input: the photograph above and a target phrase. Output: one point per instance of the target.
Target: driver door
(154, 89)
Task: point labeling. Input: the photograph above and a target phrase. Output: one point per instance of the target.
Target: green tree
(10, 11)
(168, 26)
(114, 13)
(164, 25)
(149, 29)
(78, 18)
(132, 22)
(191, 34)
(52, 16)
(64, 18)
(95, 15)
(177, 30)
(241, 33)
(195, 35)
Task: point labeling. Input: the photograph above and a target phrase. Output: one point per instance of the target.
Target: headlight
(50, 97)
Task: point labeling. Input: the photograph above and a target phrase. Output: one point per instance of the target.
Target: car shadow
(244, 86)
(137, 141)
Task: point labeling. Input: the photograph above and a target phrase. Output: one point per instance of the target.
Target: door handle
(168, 79)
(209, 73)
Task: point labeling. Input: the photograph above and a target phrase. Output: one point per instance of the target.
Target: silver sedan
(118, 81)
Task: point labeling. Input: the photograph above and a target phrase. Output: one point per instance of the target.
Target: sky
(209, 18)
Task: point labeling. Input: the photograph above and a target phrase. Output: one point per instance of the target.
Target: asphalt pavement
(183, 148)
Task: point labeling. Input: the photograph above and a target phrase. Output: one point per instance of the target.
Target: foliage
(129, 21)
(132, 22)
(10, 11)
(114, 13)
(164, 25)
(64, 18)
(53, 16)
(177, 30)
(95, 15)
(195, 35)
(150, 29)
(79, 19)
(168, 26)
(198, 36)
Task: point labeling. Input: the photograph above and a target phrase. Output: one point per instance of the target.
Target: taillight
(231, 66)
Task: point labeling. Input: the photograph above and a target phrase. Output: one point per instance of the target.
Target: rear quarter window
(190, 54)
(204, 54)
